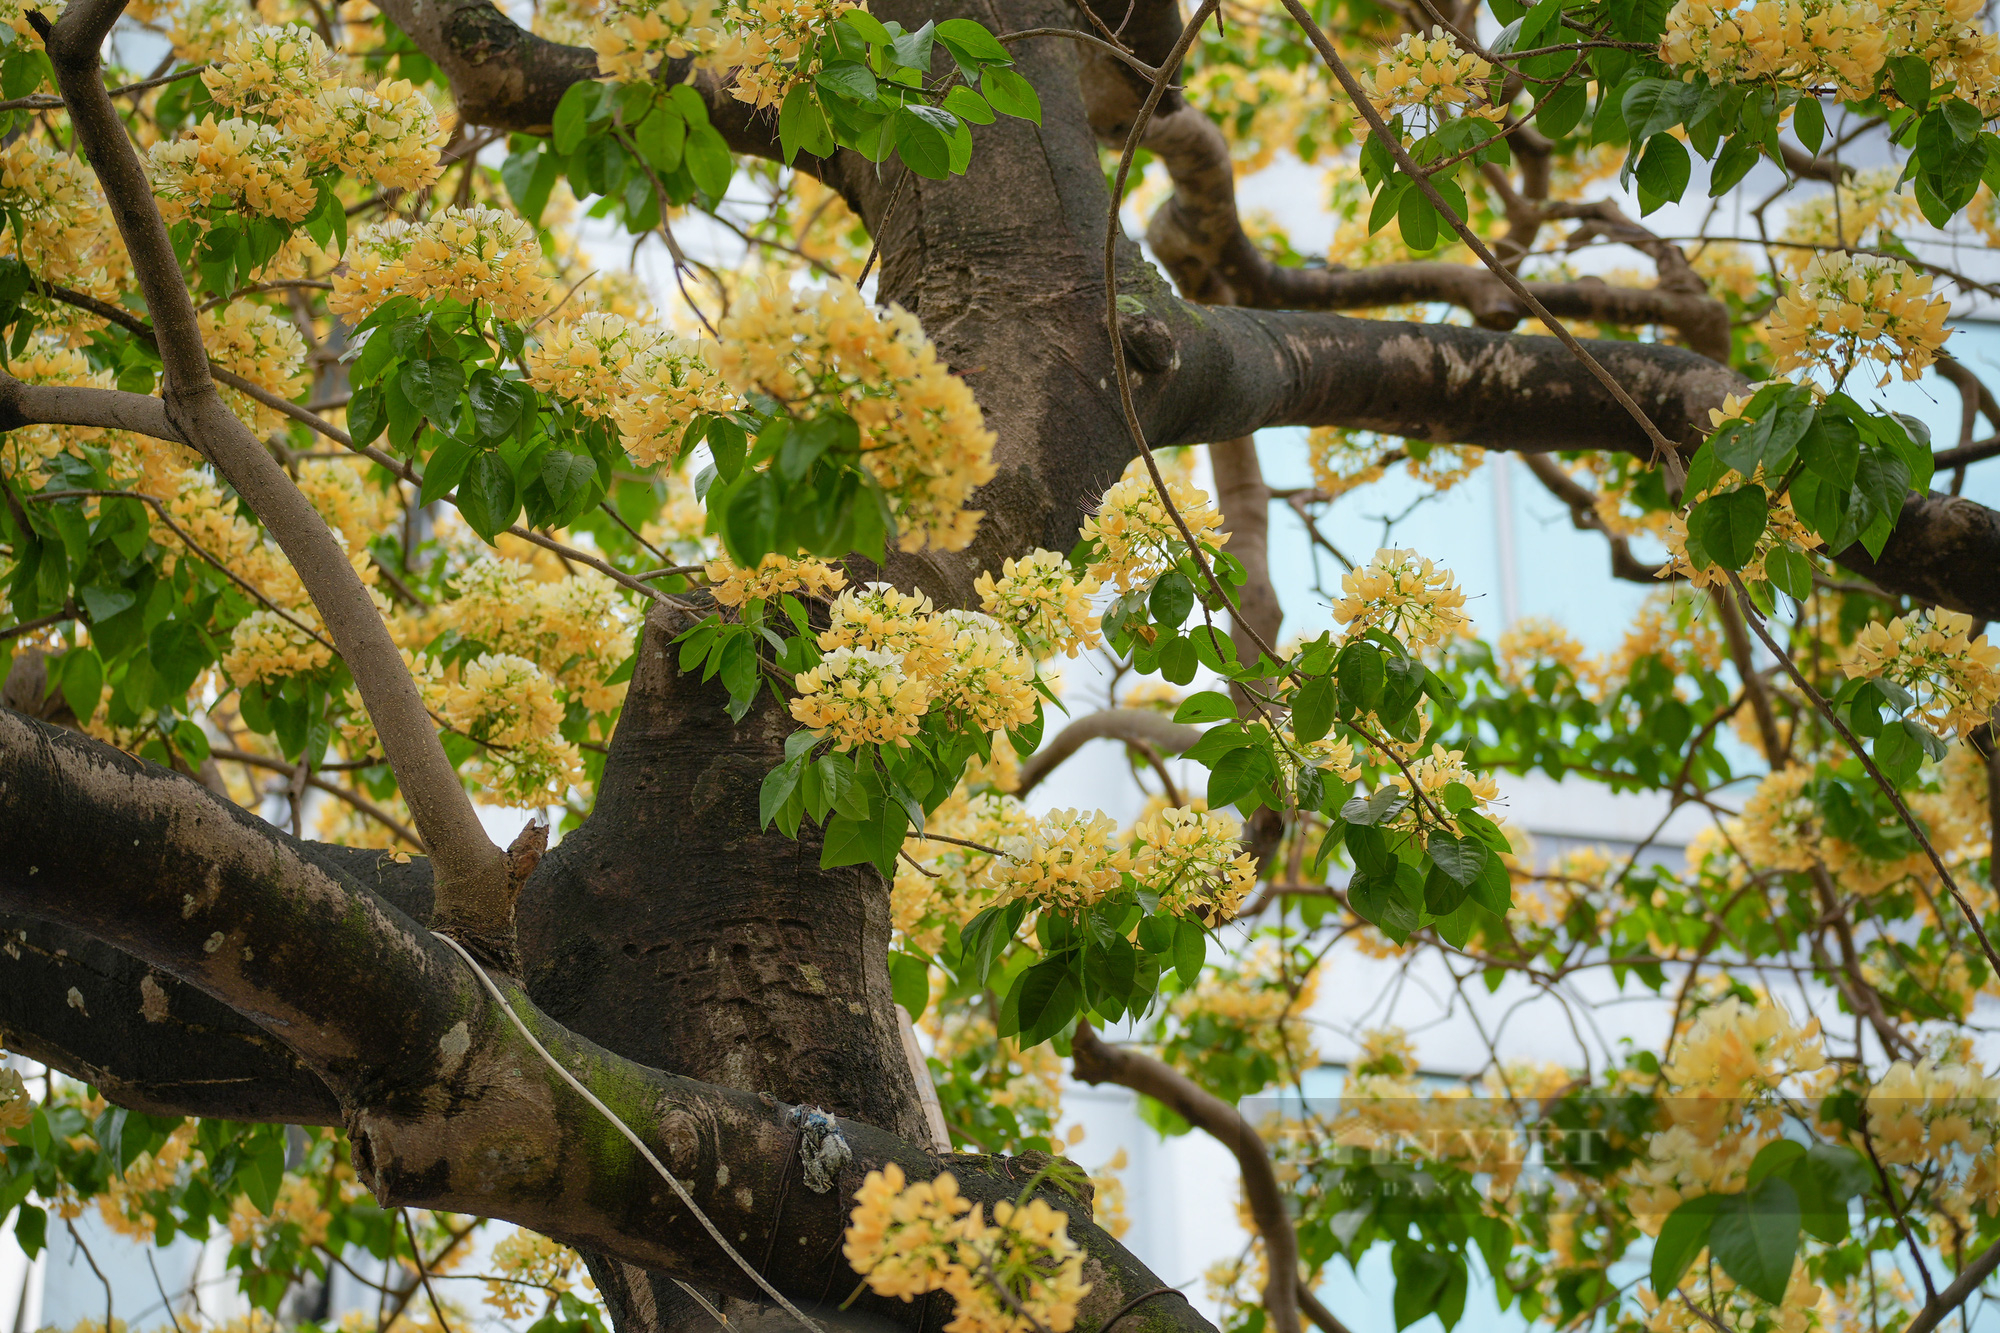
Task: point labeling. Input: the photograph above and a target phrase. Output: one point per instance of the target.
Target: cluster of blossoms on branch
(1844, 309)
(1843, 43)
(1019, 1273)
(1954, 677)
(297, 120)
(767, 44)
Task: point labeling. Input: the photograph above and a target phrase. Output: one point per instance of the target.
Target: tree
(703, 965)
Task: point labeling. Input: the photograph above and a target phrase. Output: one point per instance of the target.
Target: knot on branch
(823, 1151)
(1149, 343)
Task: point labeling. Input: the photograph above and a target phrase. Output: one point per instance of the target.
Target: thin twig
(1087, 39)
(1756, 623)
(1663, 448)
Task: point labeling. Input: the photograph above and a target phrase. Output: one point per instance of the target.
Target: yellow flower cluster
(272, 71)
(1345, 460)
(202, 28)
(264, 645)
(923, 436)
(1021, 1274)
(1136, 539)
(774, 576)
(637, 36)
(479, 254)
(1928, 1113)
(961, 880)
(509, 705)
(668, 382)
(1042, 603)
(860, 695)
(769, 45)
(1269, 110)
(237, 165)
(390, 135)
(1406, 595)
(1430, 73)
(1193, 862)
(56, 213)
(534, 1267)
(1956, 678)
(985, 680)
(1067, 861)
(373, 268)
(1439, 769)
(1534, 643)
(475, 254)
(1865, 205)
(575, 629)
(1845, 307)
(585, 359)
(23, 451)
(1846, 43)
(262, 346)
(1782, 528)
(877, 616)
(1724, 1078)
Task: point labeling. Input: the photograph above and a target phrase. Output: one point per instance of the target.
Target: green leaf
(849, 78)
(1363, 675)
(966, 104)
(433, 386)
(1774, 1158)
(1418, 221)
(802, 125)
(569, 480)
(1809, 123)
(1460, 859)
(1563, 109)
(1421, 1278)
(1755, 1237)
(868, 26)
(1010, 94)
(1732, 164)
(1831, 448)
(708, 160)
(573, 114)
(367, 415)
(1682, 1236)
(922, 146)
(1043, 1000)
(1236, 776)
(1367, 811)
(662, 137)
(486, 495)
(1898, 750)
(1171, 600)
(82, 681)
(849, 841)
(1663, 172)
(1790, 572)
(1190, 950)
(910, 982)
(974, 41)
(1729, 525)
(1312, 710)
(1205, 706)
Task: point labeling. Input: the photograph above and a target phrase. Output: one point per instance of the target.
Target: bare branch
(471, 871)
(1118, 724)
(1097, 1062)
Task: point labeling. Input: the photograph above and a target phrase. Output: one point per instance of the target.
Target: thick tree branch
(446, 1105)
(1143, 725)
(1583, 516)
(1242, 370)
(506, 77)
(1096, 1061)
(1198, 235)
(472, 874)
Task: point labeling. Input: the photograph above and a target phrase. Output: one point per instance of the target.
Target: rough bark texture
(446, 1104)
(673, 930)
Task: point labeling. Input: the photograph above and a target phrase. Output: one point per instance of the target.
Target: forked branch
(473, 895)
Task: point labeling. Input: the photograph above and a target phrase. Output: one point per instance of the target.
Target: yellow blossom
(856, 696)
(1136, 538)
(774, 576)
(1955, 678)
(1041, 602)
